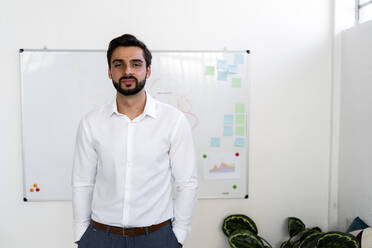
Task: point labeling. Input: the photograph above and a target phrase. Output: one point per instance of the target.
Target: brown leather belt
(129, 231)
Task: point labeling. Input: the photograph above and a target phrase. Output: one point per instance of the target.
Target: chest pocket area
(151, 152)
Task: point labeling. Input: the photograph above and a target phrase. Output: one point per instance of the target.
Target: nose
(128, 70)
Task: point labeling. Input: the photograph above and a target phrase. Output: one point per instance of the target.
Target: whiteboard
(210, 88)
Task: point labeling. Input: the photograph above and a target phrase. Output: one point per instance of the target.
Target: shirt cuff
(80, 230)
(180, 235)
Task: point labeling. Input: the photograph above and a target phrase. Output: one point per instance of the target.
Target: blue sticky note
(215, 142)
(239, 59)
(240, 142)
(233, 69)
(228, 119)
(221, 64)
(222, 76)
(228, 131)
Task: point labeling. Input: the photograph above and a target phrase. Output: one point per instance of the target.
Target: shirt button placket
(128, 176)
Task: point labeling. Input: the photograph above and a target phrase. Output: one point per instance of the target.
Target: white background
(291, 106)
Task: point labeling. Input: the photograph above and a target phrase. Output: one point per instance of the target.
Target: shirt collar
(150, 107)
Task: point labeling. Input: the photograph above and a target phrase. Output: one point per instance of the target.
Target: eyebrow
(117, 61)
(137, 60)
(122, 61)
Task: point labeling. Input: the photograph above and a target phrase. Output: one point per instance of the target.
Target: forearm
(183, 209)
(184, 172)
(82, 205)
(83, 179)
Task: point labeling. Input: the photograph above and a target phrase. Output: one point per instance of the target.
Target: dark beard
(129, 92)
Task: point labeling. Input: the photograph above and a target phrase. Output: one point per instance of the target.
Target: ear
(109, 73)
(148, 72)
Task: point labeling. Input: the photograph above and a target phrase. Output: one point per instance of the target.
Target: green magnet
(234, 186)
(204, 155)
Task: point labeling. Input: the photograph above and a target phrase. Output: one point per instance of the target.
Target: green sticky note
(239, 108)
(236, 83)
(240, 131)
(239, 119)
(209, 70)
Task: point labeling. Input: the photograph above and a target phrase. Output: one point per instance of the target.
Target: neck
(131, 106)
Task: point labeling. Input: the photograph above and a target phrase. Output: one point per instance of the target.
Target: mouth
(127, 82)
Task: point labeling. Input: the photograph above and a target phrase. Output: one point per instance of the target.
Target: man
(126, 155)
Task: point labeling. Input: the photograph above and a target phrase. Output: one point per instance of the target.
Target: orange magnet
(31, 190)
(35, 185)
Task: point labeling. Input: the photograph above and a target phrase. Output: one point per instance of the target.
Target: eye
(117, 65)
(137, 65)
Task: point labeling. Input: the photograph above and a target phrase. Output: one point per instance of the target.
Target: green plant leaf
(311, 231)
(265, 242)
(337, 240)
(311, 240)
(245, 239)
(317, 229)
(297, 240)
(286, 244)
(238, 222)
(295, 226)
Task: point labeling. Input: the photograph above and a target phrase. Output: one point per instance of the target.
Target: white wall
(355, 170)
(343, 18)
(291, 43)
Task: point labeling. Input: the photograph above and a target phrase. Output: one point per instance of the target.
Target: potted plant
(242, 233)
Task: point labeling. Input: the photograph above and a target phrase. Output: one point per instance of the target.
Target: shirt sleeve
(184, 172)
(83, 179)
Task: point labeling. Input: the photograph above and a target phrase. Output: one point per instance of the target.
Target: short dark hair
(128, 40)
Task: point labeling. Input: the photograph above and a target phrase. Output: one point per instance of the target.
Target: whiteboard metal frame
(100, 51)
(161, 51)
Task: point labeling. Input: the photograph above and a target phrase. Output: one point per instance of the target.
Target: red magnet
(37, 189)
(237, 154)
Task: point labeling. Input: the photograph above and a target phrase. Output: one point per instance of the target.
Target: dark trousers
(96, 238)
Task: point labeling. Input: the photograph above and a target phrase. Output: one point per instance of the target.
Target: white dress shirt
(123, 169)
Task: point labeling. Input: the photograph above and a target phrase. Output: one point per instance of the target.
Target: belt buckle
(124, 232)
